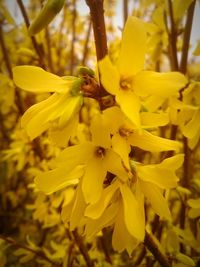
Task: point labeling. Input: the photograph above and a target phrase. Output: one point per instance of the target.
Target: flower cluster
(109, 184)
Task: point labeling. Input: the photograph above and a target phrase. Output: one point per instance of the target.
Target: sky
(118, 20)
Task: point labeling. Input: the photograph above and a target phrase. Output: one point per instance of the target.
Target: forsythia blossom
(128, 80)
(58, 112)
(109, 185)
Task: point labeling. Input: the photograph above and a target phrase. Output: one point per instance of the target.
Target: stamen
(100, 152)
(125, 132)
(125, 83)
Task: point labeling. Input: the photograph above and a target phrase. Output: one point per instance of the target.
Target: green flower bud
(46, 15)
(76, 86)
(85, 71)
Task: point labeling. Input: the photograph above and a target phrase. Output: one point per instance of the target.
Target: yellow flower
(58, 112)
(194, 211)
(122, 203)
(125, 134)
(190, 127)
(128, 81)
(118, 205)
(153, 179)
(84, 160)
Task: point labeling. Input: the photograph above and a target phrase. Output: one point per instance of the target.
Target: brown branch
(173, 38)
(18, 100)
(48, 43)
(73, 37)
(99, 30)
(125, 9)
(85, 50)
(5, 136)
(140, 257)
(37, 253)
(82, 248)
(98, 22)
(59, 70)
(183, 68)
(187, 176)
(186, 37)
(105, 247)
(4, 52)
(152, 246)
(37, 48)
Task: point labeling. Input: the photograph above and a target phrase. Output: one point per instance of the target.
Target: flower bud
(46, 15)
(76, 86)
(85, 71)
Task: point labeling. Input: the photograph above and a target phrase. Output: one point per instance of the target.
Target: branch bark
(37, 253)
(18, 100)
(98, 22)
(82, 249)
(155, 250)
(34, 42)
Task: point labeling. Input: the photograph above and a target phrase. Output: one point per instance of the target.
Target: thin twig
(34, 42)
(125, 9)
(73, 37)
(18, 100)
(82, 248)
(37, 253)
(98, 22)
(48, 43)
(85, 50)
(186, 37)
(173, 38)
(155, 250)
(183, 69)
(99, 30)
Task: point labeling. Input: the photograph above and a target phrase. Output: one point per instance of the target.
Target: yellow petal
(133, 47)
(153, 143)
(158, 84)
(35, 79)
(194, 213)
(121, 238)
(109, 72)
(33, 110)
(72, 107)
(163, 174)
(133, 216)
(100, 131)
(130, 105)
(194, 203)
(94, 226)
(121, 147)
(193, 126)
(113, 164)
(57, 179)
(34, 119)
(158, 202)
(76, 155)
(110, 115)
(95, 210)
(61, 137)
(77, 213)
(37, 119)
(152, 103)
(194, 141)
(162, 177)
(150, 119)
(173, 163)
(93, 178)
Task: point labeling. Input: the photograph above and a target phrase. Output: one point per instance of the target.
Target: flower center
(126, 83)
(100, 152)
(125, 132)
